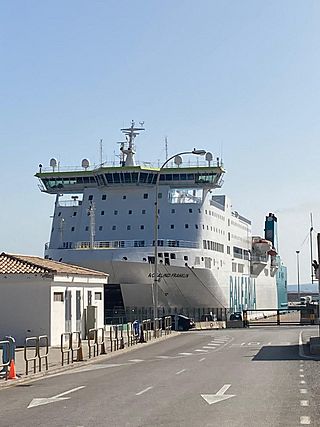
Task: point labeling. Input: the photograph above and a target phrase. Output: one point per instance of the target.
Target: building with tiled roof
(45, 297)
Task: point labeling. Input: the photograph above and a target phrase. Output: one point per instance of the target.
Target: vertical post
(318, 273)
(298, 275)
(311, 247)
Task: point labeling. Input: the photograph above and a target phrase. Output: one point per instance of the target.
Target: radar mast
(127, 148)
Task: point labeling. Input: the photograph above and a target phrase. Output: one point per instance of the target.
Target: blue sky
(241, 77)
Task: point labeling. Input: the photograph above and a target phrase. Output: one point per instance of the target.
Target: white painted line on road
(305, 420)
(136, 360)
(180, 372)
(301, 375)
(219, 341)
(300, 370)
(304, 402)
(144, 391)
(302, 382)
(163, 357)
(201, 360)
(213, 344)
(186, 354)
(243, 343)
(303, 391)
(219, 396)
(269, 343)
(53, 399)
(203, 351)
(205, 346)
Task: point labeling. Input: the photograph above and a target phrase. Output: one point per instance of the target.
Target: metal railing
(5, 345)
(32, 345)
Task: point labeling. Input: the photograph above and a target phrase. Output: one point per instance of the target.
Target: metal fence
(198, 314)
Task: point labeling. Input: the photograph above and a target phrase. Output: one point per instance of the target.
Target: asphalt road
(254, 377)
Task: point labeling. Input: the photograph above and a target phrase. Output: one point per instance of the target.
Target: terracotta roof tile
(27, 264)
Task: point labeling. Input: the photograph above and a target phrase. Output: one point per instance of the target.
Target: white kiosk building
(44, 297)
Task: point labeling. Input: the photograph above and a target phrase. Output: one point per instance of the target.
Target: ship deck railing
(119, 244)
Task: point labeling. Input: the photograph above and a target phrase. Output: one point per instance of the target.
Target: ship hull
(178, 286)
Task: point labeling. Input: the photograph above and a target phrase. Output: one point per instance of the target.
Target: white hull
(179, 286)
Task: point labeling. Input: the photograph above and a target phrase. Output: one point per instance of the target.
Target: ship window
(143, 177)
(116, 178)
(169, 177)
(151, 177)
(134, 177)
(190, 210)
(87, 228)
(240, 268)
(186, 257)
(92, 179)
(100, 228)
(102, 212)
(124, 197)
(59, 214)
(104, 197)
(145, 196)
(139, 243)
(196, 225)
(173, 211)
(98, 296)
(190, 176)
(173, 256)
(141, 227)
(204, 244)
(228, 250)
(127, 177)
(74, 214)
(143, 211)
(128, 227)
(206, 212)
(234, 267)
(186, 225)
(172, 226)
(109, 178)
(114, 227)
(183, 177)
(90, 197)
(115, 212)
(175, 177)
(72, 228)
(130, 212)
(79, 180)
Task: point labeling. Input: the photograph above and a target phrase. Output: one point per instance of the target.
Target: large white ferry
(104, 219)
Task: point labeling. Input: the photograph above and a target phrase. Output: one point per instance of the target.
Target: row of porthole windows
(124, 197)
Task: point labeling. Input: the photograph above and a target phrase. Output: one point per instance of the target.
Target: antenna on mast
(166, 147)
(311, 247)
(101, 152)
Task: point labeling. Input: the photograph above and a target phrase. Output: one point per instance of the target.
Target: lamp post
(156, 223)
(298, 275)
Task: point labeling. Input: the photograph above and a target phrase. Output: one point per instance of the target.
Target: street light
(156, 223)
(298, 275)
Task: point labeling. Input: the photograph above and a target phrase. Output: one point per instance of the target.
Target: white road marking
(301, 376)
(136, 360)
(144, 391)
(302, 382)
(300, 370)
(213, 344)
(219, 396)
(303, 391)
(219, 341)
(180, 372)
(163, 357)
(208, 348)
(269, 343)
(243, 343)
(304, 402)
(203, 351)
(253, 343)
(186, 354)
(53, 399)
(305, 420)
(201, 360)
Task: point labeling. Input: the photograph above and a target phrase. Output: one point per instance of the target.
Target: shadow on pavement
(279, 352)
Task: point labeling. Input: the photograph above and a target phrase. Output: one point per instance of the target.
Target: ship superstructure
(104, 219)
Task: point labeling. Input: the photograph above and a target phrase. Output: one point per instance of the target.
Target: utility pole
(298, 275)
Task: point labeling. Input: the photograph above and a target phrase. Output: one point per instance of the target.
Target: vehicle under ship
(104, 219)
